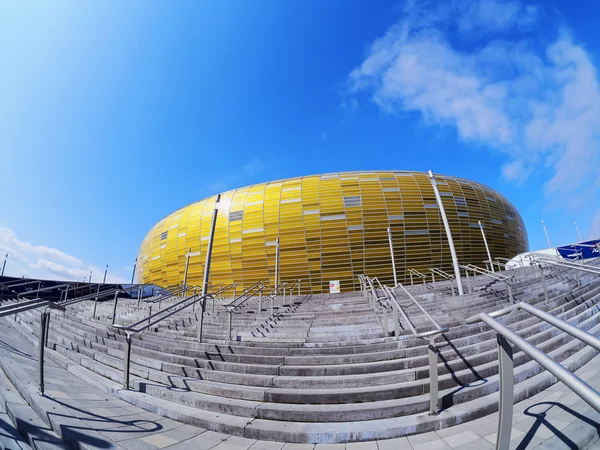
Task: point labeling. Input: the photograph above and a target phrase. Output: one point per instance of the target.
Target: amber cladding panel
(331, 227)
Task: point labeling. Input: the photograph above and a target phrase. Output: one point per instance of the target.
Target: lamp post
(207, 265)
(133, 273)
(4, 264)
(448, 233)
(487, 249)
(578, 233)
(276, 265)
(546, 233)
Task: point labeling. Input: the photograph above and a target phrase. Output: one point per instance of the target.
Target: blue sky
(114, 115)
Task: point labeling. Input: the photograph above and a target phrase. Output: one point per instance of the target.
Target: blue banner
(581, 250)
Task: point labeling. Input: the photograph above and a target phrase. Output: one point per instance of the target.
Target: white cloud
(255, 165)
(499, 90)
(39, 261)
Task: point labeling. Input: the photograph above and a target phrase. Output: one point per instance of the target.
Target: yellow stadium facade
(331, 227)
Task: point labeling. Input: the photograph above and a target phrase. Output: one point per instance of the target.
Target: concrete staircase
(321, 369)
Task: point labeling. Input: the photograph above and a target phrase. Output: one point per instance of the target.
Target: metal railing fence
(505, 336)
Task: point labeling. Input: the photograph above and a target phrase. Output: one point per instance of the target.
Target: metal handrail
(245, 295)
(134, 329)
(568, 265)
(434, 401)
(505, 356)
(17, 307)
(438, 328)
(442, 274)
(485, 272)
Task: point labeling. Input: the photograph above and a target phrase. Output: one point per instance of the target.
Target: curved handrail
(246, 295)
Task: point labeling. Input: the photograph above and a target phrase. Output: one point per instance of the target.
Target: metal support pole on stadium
(448, 232)
(4, 264)
(90, 280)
(389, 230)
(546, 233)
(276, 264)
(105, 272)
(133, 273)
(487, 249)
(578, 233)
(187, 264)
(207, 265)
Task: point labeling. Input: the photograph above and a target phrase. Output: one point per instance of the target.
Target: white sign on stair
(334, 287)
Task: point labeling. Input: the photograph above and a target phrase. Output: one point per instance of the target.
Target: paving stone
(267, 445)
(159, 440)
(195, 443)
(330, 447)
(461, 438)
(445, 432)
(477, 444)
(289, 446)
(437, 444)
(423, 437)
(394, 444)
(371, 445)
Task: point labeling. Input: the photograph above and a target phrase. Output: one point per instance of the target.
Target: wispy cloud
(497, 87)
(255, 166)
(29, 260)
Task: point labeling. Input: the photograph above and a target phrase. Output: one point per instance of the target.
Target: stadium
(331, 227)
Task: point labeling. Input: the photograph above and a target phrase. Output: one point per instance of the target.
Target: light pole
(4, 264)
(448, 232)
(546, 233)
(133, 273)
(207, 265)
(578, 233)
(276, 265)
(487, 249)
(389, 230)
(105, 270)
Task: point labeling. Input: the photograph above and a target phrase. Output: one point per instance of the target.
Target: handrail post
(127, 360)
(272, 304)
(411, 278)
(139, 299)
(510, 293)
(41, 346)
(385, 322)
(433, 279)
(448, 232)
(396, 324)
(260, 302)
(299, 280)
(505, 357)
(543, 278)
(213, 226)
(229, 321)
(149, 313)
(114, 312)
(434, 397)
(468, 281)
(389, 230)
